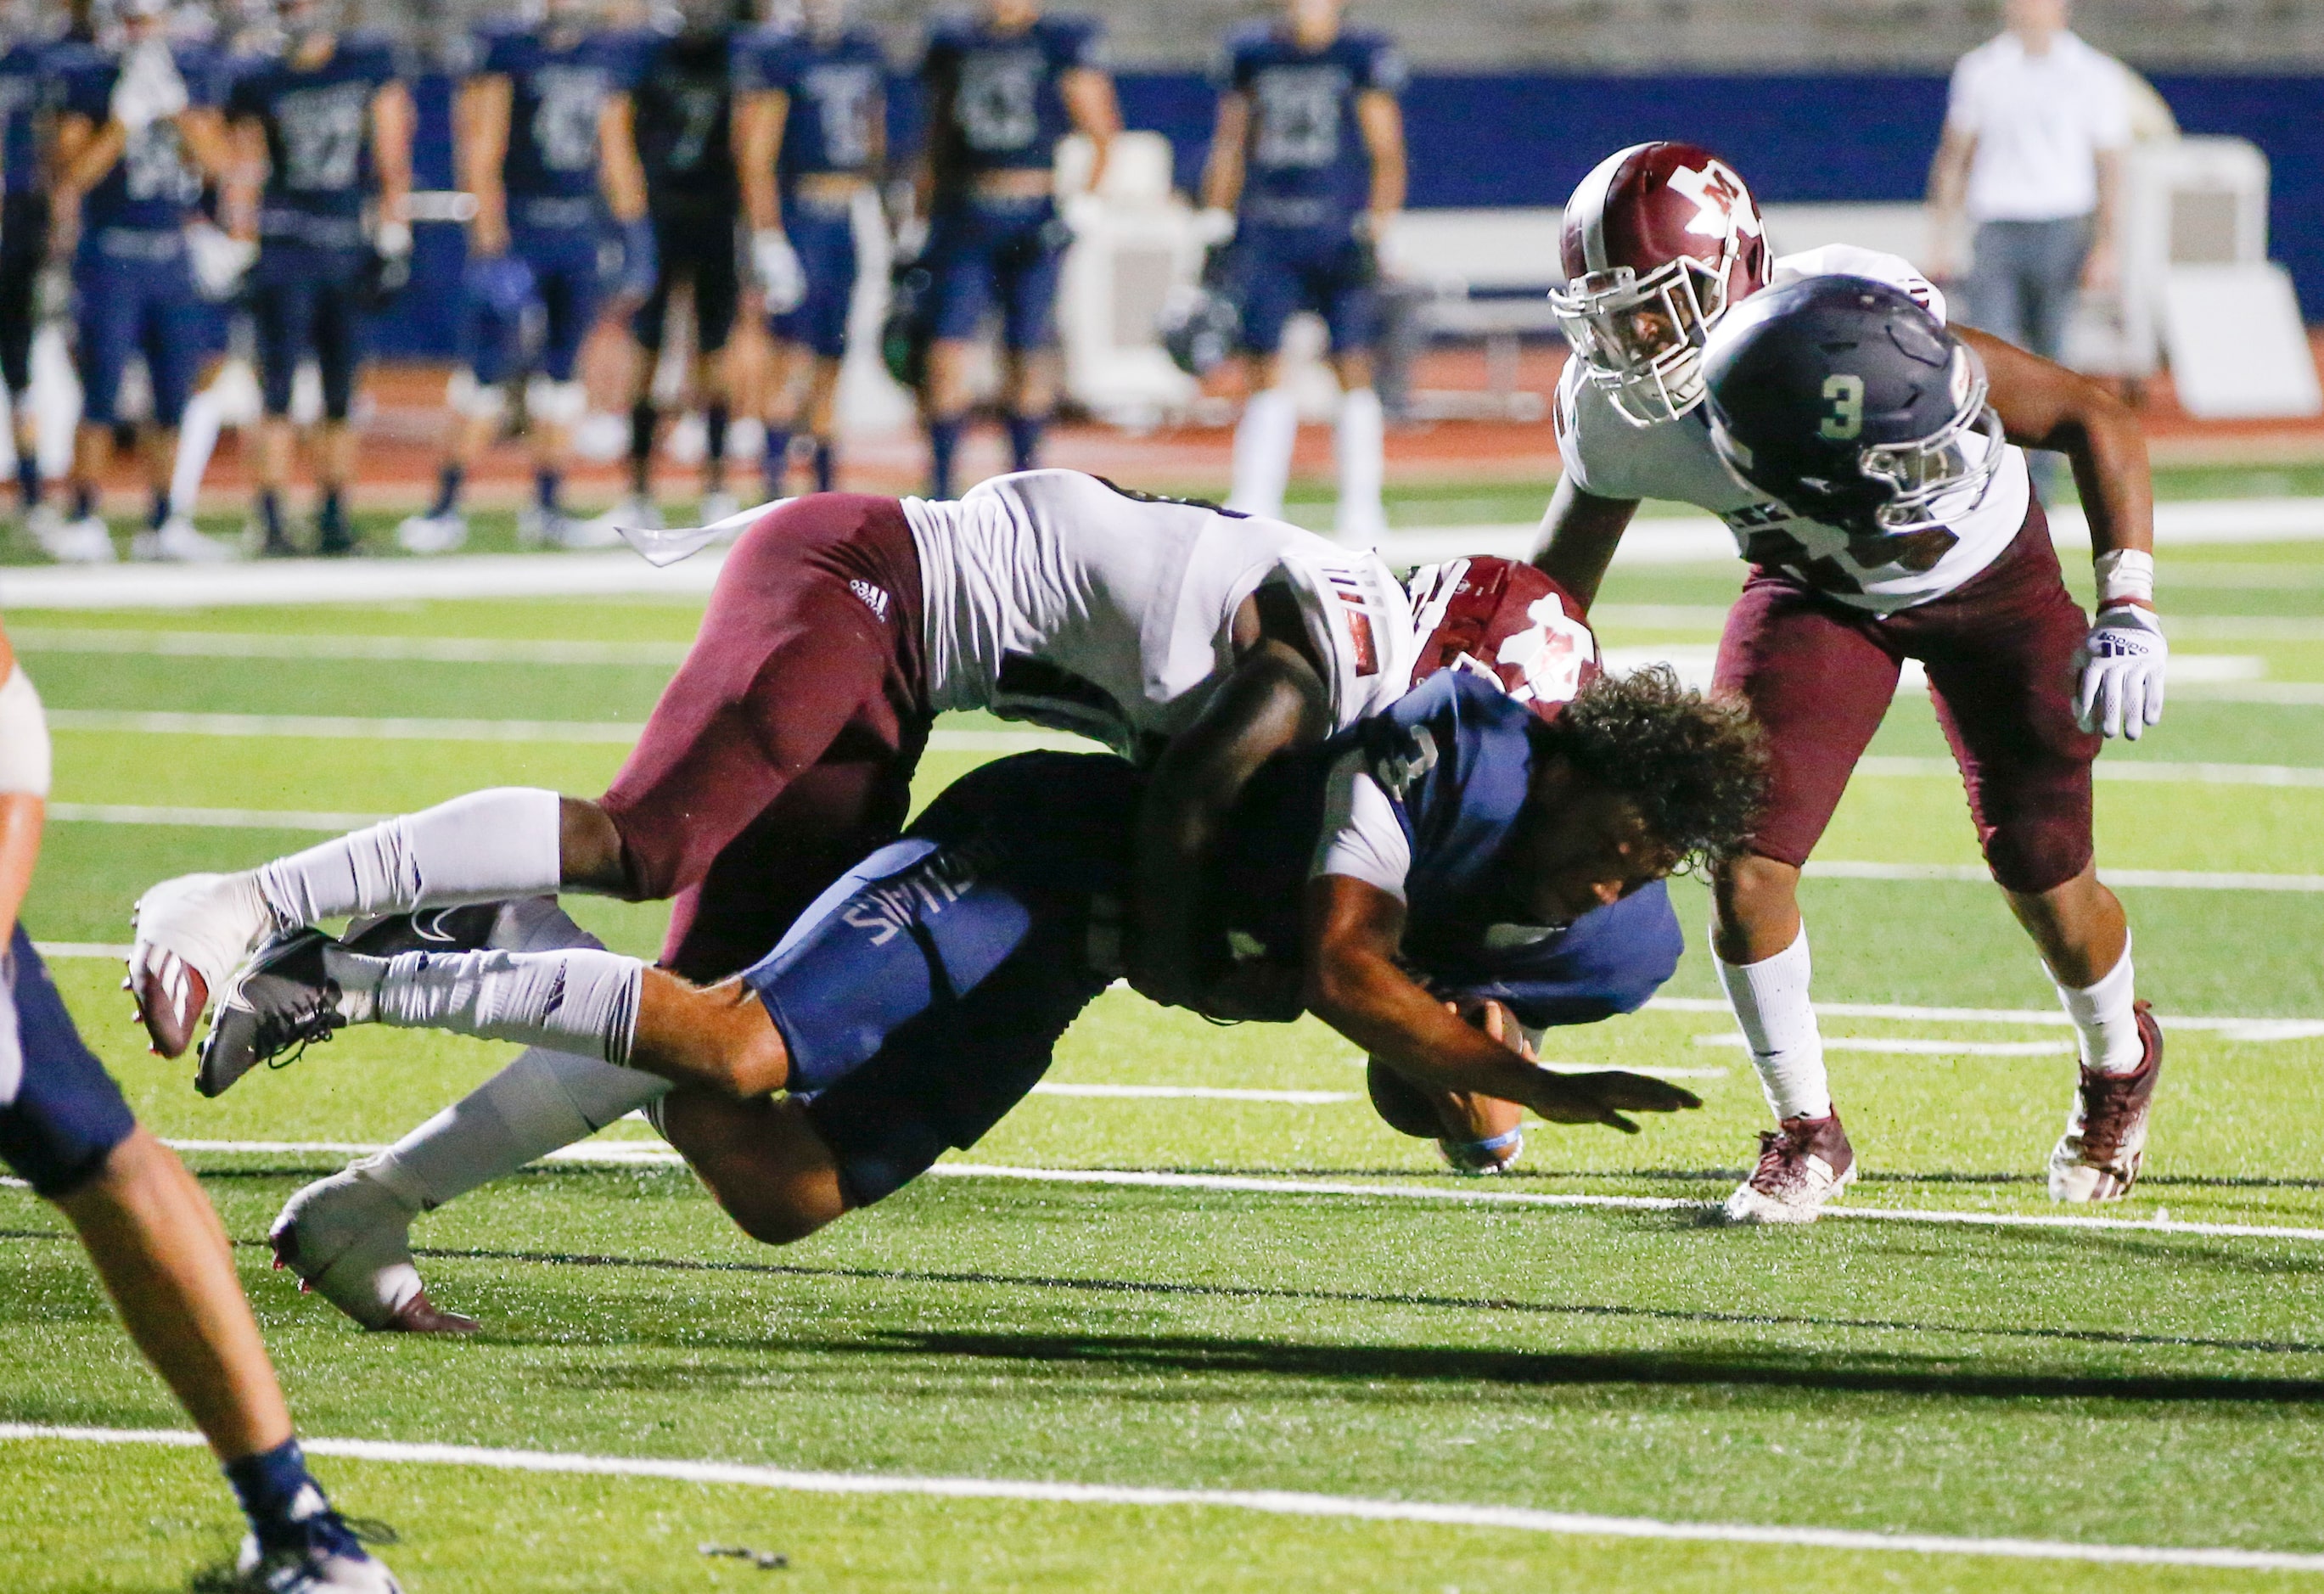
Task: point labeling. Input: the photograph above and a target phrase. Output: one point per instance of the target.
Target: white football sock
(482, 847)
(1263, 441)
(1362, 443)
(542, 1102)
(1771, 1004)
(584, 1001)
(2104, 1020)
(197, 436)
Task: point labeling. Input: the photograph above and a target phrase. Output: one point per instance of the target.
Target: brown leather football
(171, 995)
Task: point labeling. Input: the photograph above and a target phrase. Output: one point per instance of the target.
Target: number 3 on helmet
(1661, 240)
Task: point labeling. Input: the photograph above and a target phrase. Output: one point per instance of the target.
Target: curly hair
(1693, 766)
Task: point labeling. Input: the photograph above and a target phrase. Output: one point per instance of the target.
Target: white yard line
(2179, 880)
(53, 950)
(339, 727)
(1904, 1047)
(350, 728)
(641, 1151)
(1269, 1502)
(247, 644)
(2238, 1029)
(1196, 1093)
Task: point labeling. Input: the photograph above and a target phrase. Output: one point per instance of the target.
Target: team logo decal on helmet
(1507, 622)
(1847, 400)
(1661, 240)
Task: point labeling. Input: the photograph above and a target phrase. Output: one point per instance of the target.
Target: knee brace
(556, 403)
(471, 400)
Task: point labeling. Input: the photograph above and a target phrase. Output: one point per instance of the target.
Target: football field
(1191, 1318)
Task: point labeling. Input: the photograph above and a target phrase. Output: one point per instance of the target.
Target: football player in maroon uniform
(1661, 242)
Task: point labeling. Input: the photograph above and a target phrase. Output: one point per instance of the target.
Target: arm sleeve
(2110, 104)
(1960, 98)
(1384, 68)
(25, 759)
(1362, 836)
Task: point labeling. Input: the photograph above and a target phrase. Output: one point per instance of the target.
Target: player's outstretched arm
(1274, 700)
(1579, 534)
(2124, 660)
(1355, 985)
(1222, 173)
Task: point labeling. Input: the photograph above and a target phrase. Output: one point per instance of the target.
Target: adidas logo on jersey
(874, 598)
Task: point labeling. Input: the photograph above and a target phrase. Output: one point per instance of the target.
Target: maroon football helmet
(1660, 240)
(1506, 621)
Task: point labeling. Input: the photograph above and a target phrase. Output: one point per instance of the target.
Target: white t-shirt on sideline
(2040, 122)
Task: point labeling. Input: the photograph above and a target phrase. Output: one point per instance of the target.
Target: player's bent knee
(556, 403)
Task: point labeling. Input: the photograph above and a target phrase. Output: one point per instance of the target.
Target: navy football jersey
(1305, 161)
(318, 126)
(836, 88)
(684, 92)
(558, 84)
(995, 99)
(155, 184)
(25, 97)
(1457, 756)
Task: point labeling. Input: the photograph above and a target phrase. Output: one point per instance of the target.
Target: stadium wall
(1526, 139)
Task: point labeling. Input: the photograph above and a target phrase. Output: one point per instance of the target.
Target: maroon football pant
(1999, 656)
(783, 749)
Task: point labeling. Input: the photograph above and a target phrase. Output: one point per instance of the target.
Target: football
(171, 995)
(1434, 1115)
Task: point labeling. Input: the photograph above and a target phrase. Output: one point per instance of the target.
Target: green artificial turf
(2134, 1387)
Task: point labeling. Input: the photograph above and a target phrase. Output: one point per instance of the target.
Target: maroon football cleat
(1803, 1163)
(2098, 1157)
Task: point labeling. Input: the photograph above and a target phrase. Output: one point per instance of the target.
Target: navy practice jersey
(1457, 756)
(558, 83)
(995, 98)
(684, 91)
(25, 97)
(834, 86)
(1306, 164)
(155, 184)
(318, 126)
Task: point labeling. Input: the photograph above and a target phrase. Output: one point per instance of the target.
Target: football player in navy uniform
(813, 135)
(28, 64)
(138, 135)
(547, 148)
(1448, 850)
(684, 113)
(329, 121)
(153, 1235)
(1003, 86)
(1873, 475)
(1306, 175)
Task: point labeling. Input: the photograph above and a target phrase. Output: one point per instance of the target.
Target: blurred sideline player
(1306, 175)
(813, 135)
(155, 1239)
(27, 112)
(545, 146)
(329, 122)
(1940, 552)
(139, 133)
(783, 751)
(1003, 86)
(1448, 846)
(684, 100)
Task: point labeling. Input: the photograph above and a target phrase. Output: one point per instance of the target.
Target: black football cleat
(282, 999)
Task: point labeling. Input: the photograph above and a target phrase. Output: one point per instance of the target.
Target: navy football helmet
(1850, 404)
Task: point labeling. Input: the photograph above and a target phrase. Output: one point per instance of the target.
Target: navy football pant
(131, 305)
(306, 299)
(922, 996)
(989, 253)
(824, 238)
(61, 1113)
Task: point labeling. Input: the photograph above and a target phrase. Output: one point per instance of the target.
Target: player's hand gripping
(1603, 1098)
(2120, 669)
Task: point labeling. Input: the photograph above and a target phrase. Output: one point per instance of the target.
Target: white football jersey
(1607, 455)
(1056, 597)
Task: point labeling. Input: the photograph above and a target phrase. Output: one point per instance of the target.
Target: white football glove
(220, 261)
(776, 264)
(1213, 227)
(2120, 665)
(393, 239)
